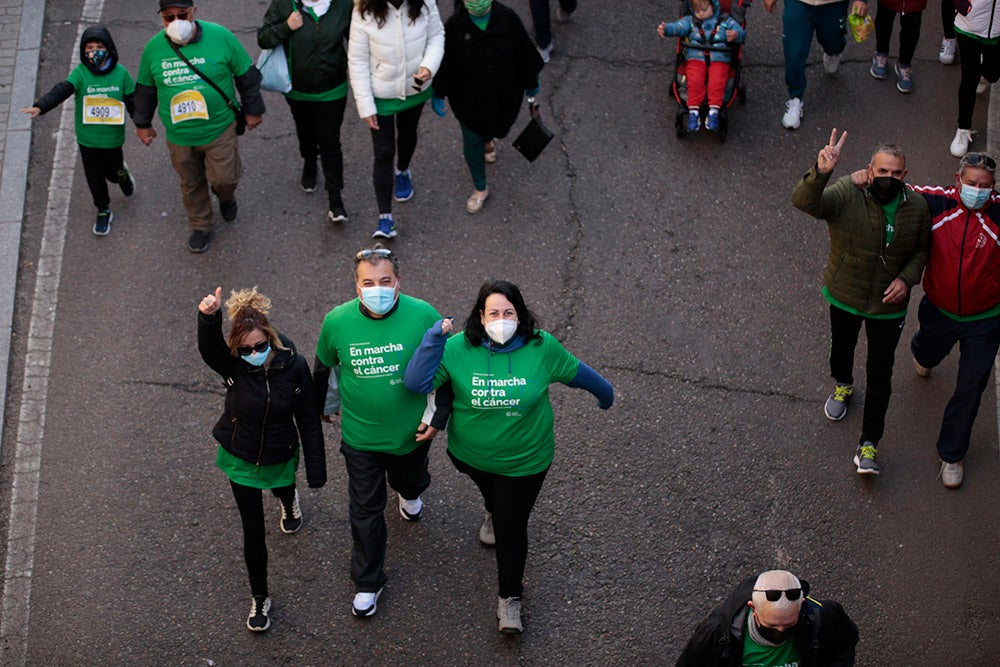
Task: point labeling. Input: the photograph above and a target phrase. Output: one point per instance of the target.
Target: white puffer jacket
(982, 20)
(382, 62)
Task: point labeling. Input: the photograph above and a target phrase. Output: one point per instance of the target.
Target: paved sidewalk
(21, 30)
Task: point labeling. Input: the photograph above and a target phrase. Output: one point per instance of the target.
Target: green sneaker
(864, 459)
(835, 407)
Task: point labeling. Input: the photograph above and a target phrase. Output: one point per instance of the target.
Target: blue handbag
(273, 66)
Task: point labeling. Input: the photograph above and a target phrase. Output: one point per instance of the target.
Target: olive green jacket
(861, 267)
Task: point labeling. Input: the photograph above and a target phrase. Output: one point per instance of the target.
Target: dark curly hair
(527, 324)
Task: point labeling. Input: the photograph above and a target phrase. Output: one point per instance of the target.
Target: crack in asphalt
(189, 388)
(705, 384)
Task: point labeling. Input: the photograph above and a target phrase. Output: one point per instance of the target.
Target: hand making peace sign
(829, 155)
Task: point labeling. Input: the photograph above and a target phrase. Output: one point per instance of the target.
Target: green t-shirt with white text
(192, 112)
(378, 412)
(100, 105)
(502, 421)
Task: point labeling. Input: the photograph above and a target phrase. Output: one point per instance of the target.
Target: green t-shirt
(192, 112)
(501, 421)
(271, 476)
(377, 412)
(387, 107)
(890, 211)
(337, 93)
(834, 301)
(755, 655)
(100, 105)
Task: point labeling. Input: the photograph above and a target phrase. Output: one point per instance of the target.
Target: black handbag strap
(230, 103)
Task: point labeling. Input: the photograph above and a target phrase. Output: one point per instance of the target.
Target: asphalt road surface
(678, 269)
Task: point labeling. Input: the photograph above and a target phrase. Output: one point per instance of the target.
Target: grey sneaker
(486, 535)
(864, 459)
(831, 62)
(835, 407)
(880, 66)
(951, 474)
(509, 615)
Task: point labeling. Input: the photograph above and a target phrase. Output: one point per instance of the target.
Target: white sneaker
(545, 53)
(364, 604)
(411, 509)
(960, 144)
(951, 474)
(793, 114)
(947, 53)
(831, 63)
(486, 534)
(983, 86)
(509, 616)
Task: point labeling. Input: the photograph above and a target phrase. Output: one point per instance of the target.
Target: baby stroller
(735, 85)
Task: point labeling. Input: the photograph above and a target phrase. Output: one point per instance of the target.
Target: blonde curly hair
(247, 310)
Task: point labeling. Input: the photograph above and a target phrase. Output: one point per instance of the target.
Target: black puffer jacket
(317, 51)
(267, 409)
(825, 635)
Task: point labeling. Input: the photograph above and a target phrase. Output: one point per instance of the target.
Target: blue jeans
(978, 342)
(798, 23)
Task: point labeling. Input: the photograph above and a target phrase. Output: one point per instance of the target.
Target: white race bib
(188, 105)
(100, 110)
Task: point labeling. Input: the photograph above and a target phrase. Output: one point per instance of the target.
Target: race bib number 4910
(188, 105)
(100, 110)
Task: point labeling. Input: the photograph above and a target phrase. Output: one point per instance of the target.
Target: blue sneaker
(712, 122)
(904, 79)
(386, 229)
(404, 186)
(880, 66)
(103, 224)
(692, 121)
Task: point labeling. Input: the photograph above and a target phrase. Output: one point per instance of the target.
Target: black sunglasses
(792, 594)
(169, 18)
(247, 350)
(976, 159)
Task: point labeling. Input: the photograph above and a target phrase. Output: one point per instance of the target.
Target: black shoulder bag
(535, 137)
(241, 117)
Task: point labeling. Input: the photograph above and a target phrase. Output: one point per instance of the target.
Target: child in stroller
(706, 35)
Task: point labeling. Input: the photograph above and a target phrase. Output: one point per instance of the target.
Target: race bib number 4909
(100, 110)
(188, 105)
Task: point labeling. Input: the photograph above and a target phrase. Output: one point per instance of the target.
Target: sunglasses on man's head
(774, 594)
(373, 252)
(247, 350)
(978, 159)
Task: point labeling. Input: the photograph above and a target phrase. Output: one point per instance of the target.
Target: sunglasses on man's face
(247, 350)
(169, 18)
(774, 594)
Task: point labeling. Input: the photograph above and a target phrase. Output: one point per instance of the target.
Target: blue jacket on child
(710, 32)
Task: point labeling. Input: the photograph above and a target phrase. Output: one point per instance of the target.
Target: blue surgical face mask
(974, 197)
(379, 300)
(257, 358)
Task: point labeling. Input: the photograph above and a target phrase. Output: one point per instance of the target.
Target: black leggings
(909, 32)
(948, 18)
(396, 137)
(509, 500)
(978, 59)
(317, 126)
(101, 165)
(250, 503)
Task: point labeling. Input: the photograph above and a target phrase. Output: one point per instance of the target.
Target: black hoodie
(64, 89)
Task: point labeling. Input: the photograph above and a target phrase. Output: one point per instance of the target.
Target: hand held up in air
(829, 155)
(211, 303)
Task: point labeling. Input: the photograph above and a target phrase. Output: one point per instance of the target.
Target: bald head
(782, 613)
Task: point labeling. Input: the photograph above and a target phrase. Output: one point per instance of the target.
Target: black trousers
(250, 503)
(317, 126)
(395, 138)
(510, 501)
(101, 165)
(909, 32)
(948, 18)
(542, 20)
(978, 59)
(978, 342)
(883, 336)
(366, 490)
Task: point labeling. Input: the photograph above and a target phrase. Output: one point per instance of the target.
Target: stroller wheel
(680, 124)
(741, 92)
(723, 127)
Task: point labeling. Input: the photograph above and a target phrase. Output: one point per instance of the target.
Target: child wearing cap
(103, 90)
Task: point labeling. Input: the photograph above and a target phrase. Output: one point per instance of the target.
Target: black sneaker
(337, 212)
(199, 240)
(258, 621)
(126, 181)
(309, 176)
(228, 210)
(291, 517)
(103, 223)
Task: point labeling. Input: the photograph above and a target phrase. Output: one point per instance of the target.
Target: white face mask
(180, 31)
(501, 331)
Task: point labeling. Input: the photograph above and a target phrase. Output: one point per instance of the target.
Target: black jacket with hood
(825, 635)
(64, 89)
(266, 409)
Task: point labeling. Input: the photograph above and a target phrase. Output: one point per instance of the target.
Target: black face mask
(773, 635)
(885, 189)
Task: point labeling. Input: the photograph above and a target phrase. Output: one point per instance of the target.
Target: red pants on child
(718, 73)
